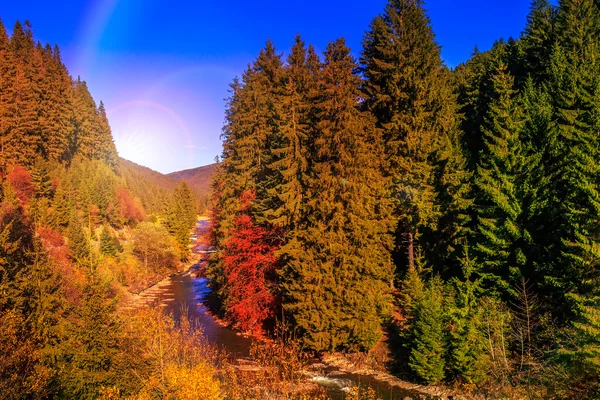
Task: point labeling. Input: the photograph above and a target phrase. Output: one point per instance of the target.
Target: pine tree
(56, 107)
(467, 359)
(251, 130)
(570, 273)
(78, 241)
(501, 182)
(538, 39)
(83, 141)
(23, 141)
(288, 154)
(336, 284)
(181, 214)
(427, 334)
(40, 177)
(407, 90)
(7, 99)
(89, 358)
(476, 89)
(109, 244)
(105, 146)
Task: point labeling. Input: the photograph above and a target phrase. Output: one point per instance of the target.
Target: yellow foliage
(192, 383)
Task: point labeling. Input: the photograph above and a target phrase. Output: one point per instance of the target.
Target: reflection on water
(184, 291)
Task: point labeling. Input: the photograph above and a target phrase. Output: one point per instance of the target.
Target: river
(186, 291)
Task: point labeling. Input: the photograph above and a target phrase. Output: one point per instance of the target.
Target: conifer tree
(569, 268)
(336, 287)
(288, 155)
(40, 178)
(109, 244)
(476, 89)
(89, 358)
(84, 119)
(56, 110)
(427, 334)
(78, 241)
(501, 182)
(105, 147)
(538, 39)
(250, 130)
(467, 359)
(181, 214)
(407, 90)
(24, 139)
(7, 99)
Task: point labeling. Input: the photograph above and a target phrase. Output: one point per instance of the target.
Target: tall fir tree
(501, 181)
(427, 334)
(8, 74)
(337, 288)
(538, 39)
(570, 266)
(407, 89)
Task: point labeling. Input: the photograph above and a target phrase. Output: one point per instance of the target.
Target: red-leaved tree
(20, 179)
(250, 265)
(130, 209)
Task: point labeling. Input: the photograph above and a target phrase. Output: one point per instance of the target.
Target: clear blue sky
(163, 67)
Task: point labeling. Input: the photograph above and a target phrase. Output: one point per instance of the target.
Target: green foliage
(109, 244)
(426, 333)
(181, 215)
(409, 92)
(155, 247)
(336, 282)
(468, 359)
(79, 242)
(502, 179)
(89, 357)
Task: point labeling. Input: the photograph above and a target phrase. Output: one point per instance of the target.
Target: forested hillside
(199, 180)
(456, 210)
(80, 231)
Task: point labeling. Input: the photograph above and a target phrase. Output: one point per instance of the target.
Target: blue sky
(163, 68)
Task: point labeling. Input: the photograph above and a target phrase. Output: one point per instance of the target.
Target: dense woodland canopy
(458, 210)
(452, 214)
(80, 228)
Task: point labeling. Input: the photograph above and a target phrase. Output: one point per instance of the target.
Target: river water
(187, 292)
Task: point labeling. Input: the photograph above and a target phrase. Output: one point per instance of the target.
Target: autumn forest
(440, 225)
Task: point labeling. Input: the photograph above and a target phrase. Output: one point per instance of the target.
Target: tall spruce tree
(337, 287)
(570, 270)
(427, 343)
(538, 39)
(288, 150)
(251, 130)
(501, 183)
(24, 138)
(407, 90)
(7, 99)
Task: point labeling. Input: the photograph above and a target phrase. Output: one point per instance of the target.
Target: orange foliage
(20, 180)
(49, 237)
(129, 208)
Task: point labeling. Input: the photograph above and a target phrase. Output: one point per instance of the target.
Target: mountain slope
(199, 179)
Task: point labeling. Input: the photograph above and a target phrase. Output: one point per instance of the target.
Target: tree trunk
(411, 252)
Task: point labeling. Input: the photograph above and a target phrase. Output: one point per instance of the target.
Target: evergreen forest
(454, 213)
(439, 224)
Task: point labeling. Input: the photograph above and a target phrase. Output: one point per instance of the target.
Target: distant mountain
(151, 187)
(145, 173)
(199, 178)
